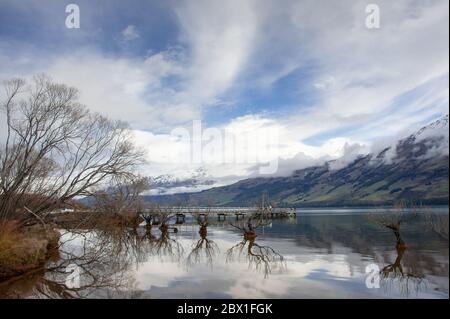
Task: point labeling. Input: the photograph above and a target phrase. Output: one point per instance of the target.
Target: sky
(292, 83)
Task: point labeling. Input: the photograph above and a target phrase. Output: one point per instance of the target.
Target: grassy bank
(25, 248)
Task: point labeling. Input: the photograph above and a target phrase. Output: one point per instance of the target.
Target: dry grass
(9, 237)
(21, 250)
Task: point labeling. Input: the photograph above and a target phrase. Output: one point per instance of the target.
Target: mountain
(415, 169)
(167, 184)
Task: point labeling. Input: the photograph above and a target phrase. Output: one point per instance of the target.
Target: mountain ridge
(416, 170)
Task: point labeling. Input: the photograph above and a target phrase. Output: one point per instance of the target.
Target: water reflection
(165, 245)
(205, 249)
(102, 266)
(319, 256)
(395, 273)
(259, 257)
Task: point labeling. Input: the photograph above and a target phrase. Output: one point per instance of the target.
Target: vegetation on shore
(24, 249)
(54, 151)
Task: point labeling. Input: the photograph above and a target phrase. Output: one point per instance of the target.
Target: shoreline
(27, 249)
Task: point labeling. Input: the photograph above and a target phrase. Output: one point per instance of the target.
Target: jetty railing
(221, 213)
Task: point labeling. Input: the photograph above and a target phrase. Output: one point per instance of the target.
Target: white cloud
(220, 38)
(125, 89)
(130, 33)
(367, 84)
(171, 155)
(370, 68)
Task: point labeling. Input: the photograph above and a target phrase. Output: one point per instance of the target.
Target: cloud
(254, 141)
(219, 37)
(125, 88)
(130, 33)
(312, 72)
(371, 68)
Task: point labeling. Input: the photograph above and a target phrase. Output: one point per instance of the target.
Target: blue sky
(311, 69)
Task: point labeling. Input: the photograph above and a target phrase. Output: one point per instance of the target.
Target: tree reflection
(205, 248)
(100, 271)
(104, 259)
(395, 272)
(259, 257)
(124, 243)
(165, 246)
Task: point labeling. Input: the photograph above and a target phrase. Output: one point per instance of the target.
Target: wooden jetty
(220, 213)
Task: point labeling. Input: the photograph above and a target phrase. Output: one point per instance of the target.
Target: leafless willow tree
(259, 257)
(160, 215)
(395, 272)
(121, 195)
(401, 214)
(205, 248)
(54, 149)
(438, 223)
(122, 199)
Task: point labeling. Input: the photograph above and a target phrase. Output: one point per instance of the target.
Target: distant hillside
(416, 170)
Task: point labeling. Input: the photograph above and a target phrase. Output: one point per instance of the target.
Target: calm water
(319, 254)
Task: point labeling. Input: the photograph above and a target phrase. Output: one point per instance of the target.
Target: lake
(320, 253)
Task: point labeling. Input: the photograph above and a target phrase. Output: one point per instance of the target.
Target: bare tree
(55, 149)
(121, 199)
(204, 247)
(438, 223)
(393, 220)
(260, 257)
(162, 215)
(395, 272)
(121, 195)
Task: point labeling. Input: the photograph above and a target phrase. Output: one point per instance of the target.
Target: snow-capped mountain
(415, 169)
(169, 184)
